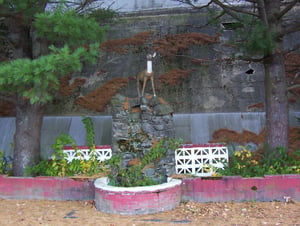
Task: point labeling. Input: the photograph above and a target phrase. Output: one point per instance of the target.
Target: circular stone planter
(137, 200)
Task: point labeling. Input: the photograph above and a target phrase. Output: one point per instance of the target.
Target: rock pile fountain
(138, 126)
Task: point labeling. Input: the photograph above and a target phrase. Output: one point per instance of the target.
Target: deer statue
(146, 75)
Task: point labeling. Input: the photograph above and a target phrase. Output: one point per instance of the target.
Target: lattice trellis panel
(200, 159)
(83, 152)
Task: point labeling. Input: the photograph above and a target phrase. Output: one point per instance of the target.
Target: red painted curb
(87, 147)
(50, 188)
(238, 189)
(137, 200)
(231, 188)
(204, 145)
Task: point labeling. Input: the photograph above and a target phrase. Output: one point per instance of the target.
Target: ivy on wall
(123, 46)
(98, 99)
(66, 87)
(174, 77)
(172, 45)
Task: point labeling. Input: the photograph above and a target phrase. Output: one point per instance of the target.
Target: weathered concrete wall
(195, 128)
(52, 128)
(231, 188)
(46, 188)
(238, 189)
(221, 86)
(137, 5)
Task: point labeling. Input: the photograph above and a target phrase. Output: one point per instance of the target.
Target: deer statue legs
(143, 77)
(146, 75)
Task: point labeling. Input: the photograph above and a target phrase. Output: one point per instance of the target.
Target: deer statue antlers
(146, 75)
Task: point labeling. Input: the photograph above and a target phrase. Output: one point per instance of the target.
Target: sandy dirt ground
(56, 213)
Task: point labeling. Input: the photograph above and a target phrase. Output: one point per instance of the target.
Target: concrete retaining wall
(232, 188)
(239, 189)
(50, 188)
(193, 128)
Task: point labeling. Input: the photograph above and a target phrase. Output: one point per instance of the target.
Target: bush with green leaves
(5, 164)
(2, 162)
(133, 175)
(90, 131)
(252, 164)
(58, 165)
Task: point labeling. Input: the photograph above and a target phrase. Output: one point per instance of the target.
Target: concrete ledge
(137, 200)
(238, 189)
(151, 199)
(50, 188)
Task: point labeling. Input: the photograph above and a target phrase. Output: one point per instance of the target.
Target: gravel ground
(56, 213)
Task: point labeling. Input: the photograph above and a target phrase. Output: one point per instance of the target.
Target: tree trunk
(27, 136)
(276, 102)
(275, 83)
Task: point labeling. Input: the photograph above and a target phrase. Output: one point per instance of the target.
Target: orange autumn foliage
(174, 77)
(172, 45)
(122, 46)
(66, 88)
(98, 99)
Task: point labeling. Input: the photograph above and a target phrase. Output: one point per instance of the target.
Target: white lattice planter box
(102, 152)
(200, 159)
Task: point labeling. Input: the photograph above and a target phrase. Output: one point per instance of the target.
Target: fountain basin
(137, 200)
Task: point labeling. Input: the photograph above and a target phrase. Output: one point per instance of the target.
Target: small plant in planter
(134, 173)
(58, 165)
(5, 164)
(2, 163)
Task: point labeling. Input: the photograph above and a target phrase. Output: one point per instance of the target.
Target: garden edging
(238, 189)
(49, 188)
(229, 188)
(137, 200)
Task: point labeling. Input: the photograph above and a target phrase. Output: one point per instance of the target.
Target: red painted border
(87, 147)
(50, 188)
(134, 201)
(206, 145)
(236, 188)
(231, 188)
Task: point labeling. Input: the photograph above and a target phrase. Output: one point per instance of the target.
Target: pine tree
(45, 45)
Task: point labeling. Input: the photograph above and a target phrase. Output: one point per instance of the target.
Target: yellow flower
(237, 154)
(254, 162)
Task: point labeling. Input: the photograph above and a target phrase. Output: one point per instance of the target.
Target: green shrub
(58, 165)
(5, 164)
(2, 163)
(251, 164)
(133, 176)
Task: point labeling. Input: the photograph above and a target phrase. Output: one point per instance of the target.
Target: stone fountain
(144, 121)
(140, 122)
